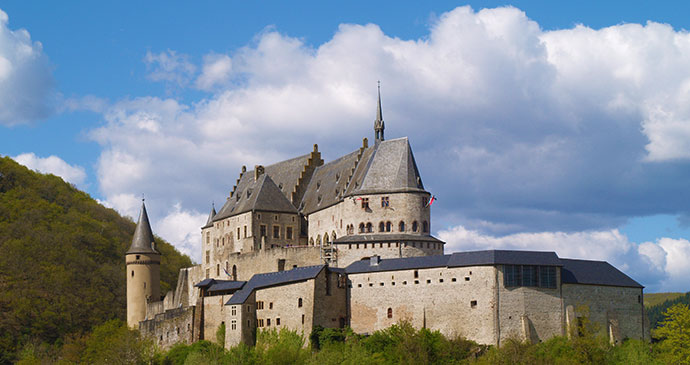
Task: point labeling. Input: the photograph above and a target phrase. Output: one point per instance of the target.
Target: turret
(143, 271)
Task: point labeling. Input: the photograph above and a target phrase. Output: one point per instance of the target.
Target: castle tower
(143, 271)
(379, 125)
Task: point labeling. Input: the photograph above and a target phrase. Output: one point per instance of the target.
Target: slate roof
(594, 273)
(205, 283)
(143, 236)
(392, 168)
(260, 281)
(459, 259)
(209, 221)
(503, 257)
(225, 285)
(328, 183)
(385, 237)
(261, 194)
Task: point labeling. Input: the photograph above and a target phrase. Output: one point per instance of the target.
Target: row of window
(529, 275)
(386, 227)
(260, 322)
(326, 239)
(404, 282)
(429, 245)
(386, 202)
(276, 232)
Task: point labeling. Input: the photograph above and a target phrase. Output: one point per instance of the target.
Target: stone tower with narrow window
(143, 271)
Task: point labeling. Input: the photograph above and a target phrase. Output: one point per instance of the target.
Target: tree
(674, 334)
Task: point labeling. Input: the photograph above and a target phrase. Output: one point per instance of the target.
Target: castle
(303, 243)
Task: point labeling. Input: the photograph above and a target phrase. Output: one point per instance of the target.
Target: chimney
(365, 142)
(374, 260)
(258, 171)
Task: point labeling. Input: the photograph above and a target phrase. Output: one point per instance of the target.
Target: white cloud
(169, 66)
(26, 83)
(183, 228)
(216, 71)
(660, 265)
(53, 165)
(516, 129)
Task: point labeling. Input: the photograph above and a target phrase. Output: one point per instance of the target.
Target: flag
(227, 273)
(431, 201)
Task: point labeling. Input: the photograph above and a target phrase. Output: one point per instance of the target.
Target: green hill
(652, 299)
(656, 312)
(62, 267)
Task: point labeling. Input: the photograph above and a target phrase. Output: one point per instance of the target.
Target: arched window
(414, 226)
(361, 228)
(370, 227)
(390, 312)
(425, 227)
(388, 226)
(217, 269)
(132, 273)
(381, 227)
(401, 226)
(299, 303)
(223, 241)
(325, 238)
(311, 241)
(333, 236)
(234, 272)
(318, 240)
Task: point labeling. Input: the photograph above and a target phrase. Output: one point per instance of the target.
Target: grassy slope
(652, 299)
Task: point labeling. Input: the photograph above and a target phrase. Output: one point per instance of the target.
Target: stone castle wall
(170, 327)
(464, 308)
(616, 312)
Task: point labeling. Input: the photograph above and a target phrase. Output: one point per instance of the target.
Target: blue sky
(539, 125)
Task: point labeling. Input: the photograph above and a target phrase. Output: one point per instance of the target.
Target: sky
(537, 125)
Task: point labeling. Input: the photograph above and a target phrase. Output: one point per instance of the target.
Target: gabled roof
(142, 242)
(594, 273)
(328, 184)
(392, 168)
(260, 281)
(261, 194)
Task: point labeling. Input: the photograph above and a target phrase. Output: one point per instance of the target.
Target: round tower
(143, 271)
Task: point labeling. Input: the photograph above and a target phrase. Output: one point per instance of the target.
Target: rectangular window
(270, 305)
(529, 275)
(208, 257)
(303, 319)
(365, 203)
(277, 321)
(234, 310)
(245, 231)
(288, 233)
(385, 202)
(512, 275)
(259, 305)
(233, 324)
(268, 322)
(238, 232)
(262, 230)
(547, 277)
(276, 231)
(260, 323)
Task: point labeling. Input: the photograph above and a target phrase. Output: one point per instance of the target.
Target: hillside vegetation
(656, 312)
(652, 299)
(62, 267)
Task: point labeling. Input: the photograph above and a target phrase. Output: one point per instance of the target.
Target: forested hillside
(656, 312)
(62, 267)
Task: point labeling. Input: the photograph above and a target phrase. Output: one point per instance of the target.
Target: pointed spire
(379, 125)
(209, 222)
(142, 242)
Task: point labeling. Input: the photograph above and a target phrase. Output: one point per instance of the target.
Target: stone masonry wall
(170, 328)
(215, 313)
(529, 313)
(438, 298)
(614, 311)
(351, 252)
(406, 207)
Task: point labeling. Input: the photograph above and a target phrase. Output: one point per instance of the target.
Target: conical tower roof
(142, 242)
(209, 221)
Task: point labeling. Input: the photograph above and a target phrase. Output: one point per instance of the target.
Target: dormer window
(280, 186)
(318, 185)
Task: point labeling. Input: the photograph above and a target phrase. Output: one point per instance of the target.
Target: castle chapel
(302, 243)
